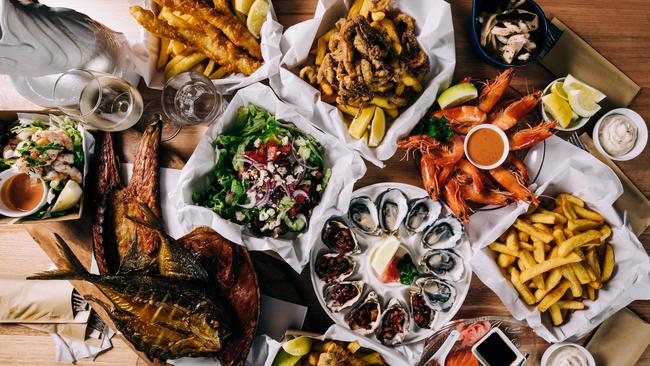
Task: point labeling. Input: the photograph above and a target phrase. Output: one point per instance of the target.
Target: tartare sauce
(617, 134)
(568, 356)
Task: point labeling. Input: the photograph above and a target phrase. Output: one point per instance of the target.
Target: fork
(574, 139)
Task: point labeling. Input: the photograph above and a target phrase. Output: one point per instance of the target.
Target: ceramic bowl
(549, 351)
(10, 212)
(574, 125)
(641, 139)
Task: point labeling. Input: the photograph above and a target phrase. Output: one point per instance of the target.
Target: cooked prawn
(488, 196)
(508, 117)
(468, 174)
(494, 90)
(463, 118)
(441, 153)
(434, 175)
(44, 137)
(513, 176)
(455, 200)
(528, 137)
(63, 164)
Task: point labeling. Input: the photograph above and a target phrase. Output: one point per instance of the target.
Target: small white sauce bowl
(502, 135)
(641, 134)
(9, 212)
(574, 125)
(549, 352)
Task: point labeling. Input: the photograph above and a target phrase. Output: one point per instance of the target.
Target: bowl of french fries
(569, 263)
(399, 53)
(220, 39)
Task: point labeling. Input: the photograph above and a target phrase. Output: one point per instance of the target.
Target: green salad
(269, 175)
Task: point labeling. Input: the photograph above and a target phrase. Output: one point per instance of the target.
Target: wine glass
(189, 99)
(98, 100)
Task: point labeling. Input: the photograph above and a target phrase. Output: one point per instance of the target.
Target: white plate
(574, 125)
(364, 273)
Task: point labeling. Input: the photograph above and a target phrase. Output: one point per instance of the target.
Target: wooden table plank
(614, 28)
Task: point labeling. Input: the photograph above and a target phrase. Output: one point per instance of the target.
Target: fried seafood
(444, 170)
(200, 37)
(370, 58)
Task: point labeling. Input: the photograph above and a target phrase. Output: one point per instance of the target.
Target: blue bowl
(539, 36)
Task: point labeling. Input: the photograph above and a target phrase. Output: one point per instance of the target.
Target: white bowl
(641, 135)
(504, 138)
(6, 211)
(549, 351)
(574, 125)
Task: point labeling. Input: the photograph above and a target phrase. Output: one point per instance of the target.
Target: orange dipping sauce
(485, 147)
(19, 194)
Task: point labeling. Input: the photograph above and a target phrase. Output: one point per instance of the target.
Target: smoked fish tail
(72, 268)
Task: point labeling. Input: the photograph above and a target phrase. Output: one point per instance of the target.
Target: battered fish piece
(216, 46)
(222, 18)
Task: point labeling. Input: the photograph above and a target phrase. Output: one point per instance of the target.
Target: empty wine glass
(190, 99)
(98, 100)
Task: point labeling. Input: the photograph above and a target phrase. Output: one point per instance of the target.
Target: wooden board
(621, 43)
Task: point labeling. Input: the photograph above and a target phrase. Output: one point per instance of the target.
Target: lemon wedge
(571, 83)
(285, 359)
(582, 103)
(69, 196)
(298, 346)
(558, 89)
(377, 128)
(257, 16)
(558, 109)
(242, 6)
(384, 254)
(359, 124)
(457, 94)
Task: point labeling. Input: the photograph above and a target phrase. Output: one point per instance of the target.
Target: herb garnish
(438, 128)
(407, 270)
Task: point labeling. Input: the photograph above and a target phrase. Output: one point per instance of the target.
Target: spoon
(440, 357)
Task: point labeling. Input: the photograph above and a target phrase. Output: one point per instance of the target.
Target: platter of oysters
(395, 267)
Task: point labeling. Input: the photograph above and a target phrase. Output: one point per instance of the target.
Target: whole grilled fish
(113, 232)
(163, 317)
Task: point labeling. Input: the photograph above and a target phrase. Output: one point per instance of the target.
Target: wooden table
(612, 27)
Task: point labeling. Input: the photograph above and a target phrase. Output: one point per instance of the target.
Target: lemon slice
(582, 103)
(558, 109)
(242, 6)
(359, 124)
(457, 94)
(558, 89)
(571, 83)
(285, 359)
(257, 16)
(69, 196)
(377, 128)
(384, 254)
(298, 346)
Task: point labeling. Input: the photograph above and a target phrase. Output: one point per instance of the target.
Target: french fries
(557, 257)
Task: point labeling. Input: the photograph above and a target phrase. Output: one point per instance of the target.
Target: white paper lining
(570, 169)
(346, 167)
(436, 36)
(145, 56)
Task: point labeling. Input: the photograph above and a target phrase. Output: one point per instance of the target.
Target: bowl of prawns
(448, 175)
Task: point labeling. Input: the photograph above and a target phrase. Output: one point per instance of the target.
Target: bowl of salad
(264, 176)
(52, 151)
(269, 175)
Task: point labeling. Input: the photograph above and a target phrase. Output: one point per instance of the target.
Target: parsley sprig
(438, 128)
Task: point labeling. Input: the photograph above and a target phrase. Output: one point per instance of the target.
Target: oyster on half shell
(438, 294)
(444, 263)
(423, 316)
(337, 235)
(363, 214)
(422, 213)
(394, 324)
(341, 295)
(444, 233)
(333, 267)
(365, 318)
(393, 207)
